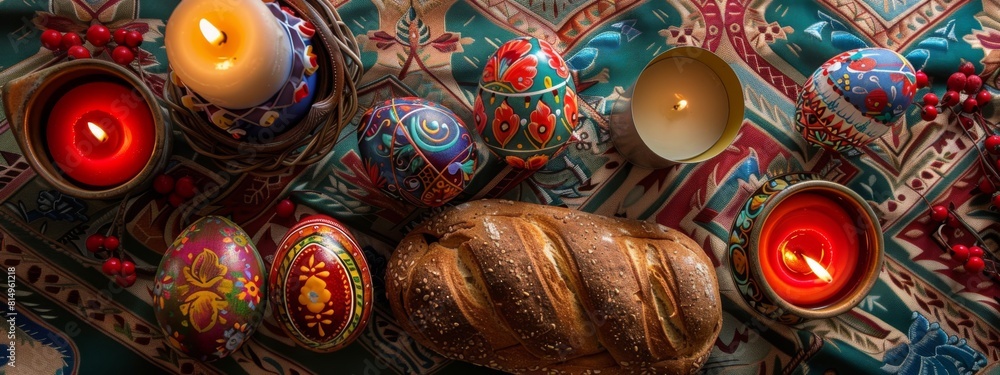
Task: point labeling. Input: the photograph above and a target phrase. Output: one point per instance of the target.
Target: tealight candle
(90, 128)
(807, 253)
(100, 133)
(233, 53)
(686, 106)
(803, 248)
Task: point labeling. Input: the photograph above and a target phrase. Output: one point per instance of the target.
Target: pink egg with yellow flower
(209, 290)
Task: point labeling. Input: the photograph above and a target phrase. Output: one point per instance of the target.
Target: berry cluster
(963, 83)
(122, 270)
(178, 191)
(126, 43)
(974, 258)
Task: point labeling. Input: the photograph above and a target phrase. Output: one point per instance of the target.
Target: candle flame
(818, 269)
(97, 132)
(681, 102)
(211, 33)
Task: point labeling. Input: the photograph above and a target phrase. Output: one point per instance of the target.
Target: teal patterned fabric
(923, 316)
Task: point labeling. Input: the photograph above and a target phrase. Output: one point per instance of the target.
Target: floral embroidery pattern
(932, 351)
(207, 276)
(511, 69)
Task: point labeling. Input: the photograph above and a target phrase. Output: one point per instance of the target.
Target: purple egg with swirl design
(417, 150)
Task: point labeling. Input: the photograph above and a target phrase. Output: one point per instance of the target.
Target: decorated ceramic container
(209, 291)
(854, 98)
(421, 151)
(526, 108)
(746, 248)
(283, 110)
(321, 288)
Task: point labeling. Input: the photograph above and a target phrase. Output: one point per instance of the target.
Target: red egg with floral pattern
(526, 108)
(321, 286)
(209, 292)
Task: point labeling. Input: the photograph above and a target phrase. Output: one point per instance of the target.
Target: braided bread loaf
(527, 288)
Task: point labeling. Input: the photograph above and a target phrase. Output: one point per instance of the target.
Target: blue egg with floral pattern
(417, 151)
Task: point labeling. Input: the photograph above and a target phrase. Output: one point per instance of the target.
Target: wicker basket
(314, 136)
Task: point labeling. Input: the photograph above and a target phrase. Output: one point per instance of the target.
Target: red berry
(164, 183)
(929, 113)
(975, 265)
(119, 36)
(966, 122)
(111, 243)
(52, 40)
(922, 79)
(133, 39)
(71, 39)
(939, 213)
(128, 268)
(992, 143)
(998, 163)
(185, 187)
(975, 252)
(175, 200)
(983, 96)
(973, 84)
(112, 266)
(960, 252)
(95, 242)
(956, 82)
(987, 186)
(995, 200)
(930, 99)
(285, 208)
(125, 281)
(969, 105)
(122, 55)
(78, 52)
(967, 68)
(98, 35)
(951, 98)
(952, 222)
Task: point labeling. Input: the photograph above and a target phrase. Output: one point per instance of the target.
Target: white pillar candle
(680, 107)
(231, 52)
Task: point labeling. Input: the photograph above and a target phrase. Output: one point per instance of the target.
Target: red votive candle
(100, 133)
(812, 228)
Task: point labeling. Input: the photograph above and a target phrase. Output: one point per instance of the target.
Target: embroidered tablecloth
(924, 313)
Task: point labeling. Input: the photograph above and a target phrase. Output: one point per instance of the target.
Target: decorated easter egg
(422, 152)
(321, 289)
(209, 291)
(526, 106)
(854, 98)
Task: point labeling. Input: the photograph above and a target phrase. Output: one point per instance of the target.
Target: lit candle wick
(817, 269)
(211, 33)
(97, 132)
(681, 105)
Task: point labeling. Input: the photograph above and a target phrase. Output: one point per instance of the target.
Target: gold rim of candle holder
(312, 138)
(743, 251)
(25, 99)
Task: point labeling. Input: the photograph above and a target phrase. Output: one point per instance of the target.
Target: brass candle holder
(28, 101)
